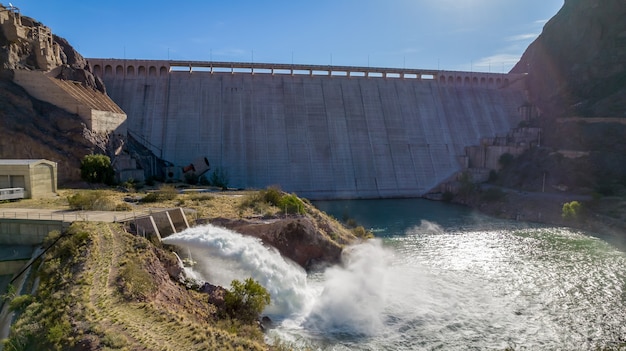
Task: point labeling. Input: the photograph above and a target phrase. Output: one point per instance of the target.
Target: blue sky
(477, 35)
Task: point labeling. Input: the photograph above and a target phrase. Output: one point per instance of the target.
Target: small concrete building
(37, 177)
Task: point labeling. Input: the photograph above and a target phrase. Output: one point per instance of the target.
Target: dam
(323, 132)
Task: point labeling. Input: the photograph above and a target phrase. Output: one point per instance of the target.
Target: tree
(571, 210)
(97, 169)
(245, 301)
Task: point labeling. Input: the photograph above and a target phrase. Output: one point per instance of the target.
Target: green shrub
(245, 301)
(165, 193)
(58, 332)
(272, 195)
(362, 233)
(20, 303)
(571, 210)
(93, 200)
(291, 204)
(134, 282)
(97, 169)
(115, 341)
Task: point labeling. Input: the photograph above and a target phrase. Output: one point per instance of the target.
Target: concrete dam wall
(316, 132)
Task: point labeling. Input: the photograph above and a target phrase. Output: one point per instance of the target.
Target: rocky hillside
(34, 129)
(104, 289)
(577, 66)
(31, 128)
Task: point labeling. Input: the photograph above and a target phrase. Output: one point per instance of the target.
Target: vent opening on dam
(322, 132)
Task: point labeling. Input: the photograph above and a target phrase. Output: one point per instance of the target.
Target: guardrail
(73, 216)
(44, 216)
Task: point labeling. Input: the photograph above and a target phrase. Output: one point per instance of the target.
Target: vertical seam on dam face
(321, 136)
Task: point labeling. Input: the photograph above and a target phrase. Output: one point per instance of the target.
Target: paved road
(68, 216)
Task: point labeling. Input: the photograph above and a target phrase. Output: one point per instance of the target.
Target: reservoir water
(438, 277)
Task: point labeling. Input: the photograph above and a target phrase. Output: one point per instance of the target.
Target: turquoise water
(443, 277)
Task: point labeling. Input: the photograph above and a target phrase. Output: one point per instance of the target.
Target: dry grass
(85, 289)
(201, 204)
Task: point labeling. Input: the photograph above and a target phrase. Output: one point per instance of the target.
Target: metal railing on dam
(154, 68)
(312, 129)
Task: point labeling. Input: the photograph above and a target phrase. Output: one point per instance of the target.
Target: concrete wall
(160, 224)
(25, 231)
(11, 267)
(322, 136)
(97, 110)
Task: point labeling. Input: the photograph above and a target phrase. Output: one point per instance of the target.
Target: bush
(571, 210)
(20, 303)
(272, 195)
(291, 204)
(245, 301)
(165, 193)
(135, 283)
(97, 169)
(362, 233)
(96, 200)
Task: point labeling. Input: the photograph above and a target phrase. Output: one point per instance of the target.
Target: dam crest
(319, 131)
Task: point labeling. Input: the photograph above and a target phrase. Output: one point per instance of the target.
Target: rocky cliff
(31, 128)
(26, 44)
(577, 66)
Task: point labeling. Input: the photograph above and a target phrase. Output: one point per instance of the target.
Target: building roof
(5, 162)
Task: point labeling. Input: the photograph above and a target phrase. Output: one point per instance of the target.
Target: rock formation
(32, 128)
(299, 239)
(26, 44)
(577, 66)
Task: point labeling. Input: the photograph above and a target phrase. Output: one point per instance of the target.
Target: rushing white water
(224, 255)
(353, 296)
(433, 286)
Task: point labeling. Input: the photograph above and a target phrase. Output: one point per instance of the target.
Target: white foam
(224, 255)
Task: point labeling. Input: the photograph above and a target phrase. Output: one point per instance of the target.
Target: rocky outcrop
(32, 128)
(577, 66)
(297, 238)
(75, 67)
(26, 44)
(35, 129)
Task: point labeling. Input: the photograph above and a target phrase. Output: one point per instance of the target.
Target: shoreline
(546, 208)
